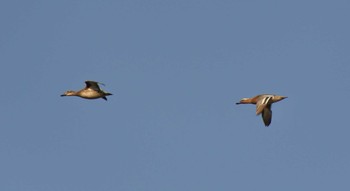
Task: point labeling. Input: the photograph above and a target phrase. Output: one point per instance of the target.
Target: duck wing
(262, 103)
(93, 85)
(267, 115)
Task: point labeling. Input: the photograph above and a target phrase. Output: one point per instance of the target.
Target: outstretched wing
(262, 103)
(267, 115)
(93, 85)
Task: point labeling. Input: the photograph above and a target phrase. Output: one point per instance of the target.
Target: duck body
(263, 104)
(91, 91)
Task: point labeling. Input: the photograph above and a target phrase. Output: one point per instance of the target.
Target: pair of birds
(263, 102)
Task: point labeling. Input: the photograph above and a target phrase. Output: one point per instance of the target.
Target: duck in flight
(91, 91)
(263, 104)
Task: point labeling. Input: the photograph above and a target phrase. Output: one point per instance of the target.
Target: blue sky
(176, 68)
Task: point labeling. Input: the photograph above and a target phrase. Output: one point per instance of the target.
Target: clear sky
(176, 68)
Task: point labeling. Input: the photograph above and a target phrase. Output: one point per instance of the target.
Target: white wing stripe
(266, 100)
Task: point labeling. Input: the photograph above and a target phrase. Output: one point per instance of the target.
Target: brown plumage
(91, 91)
(263, 104)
